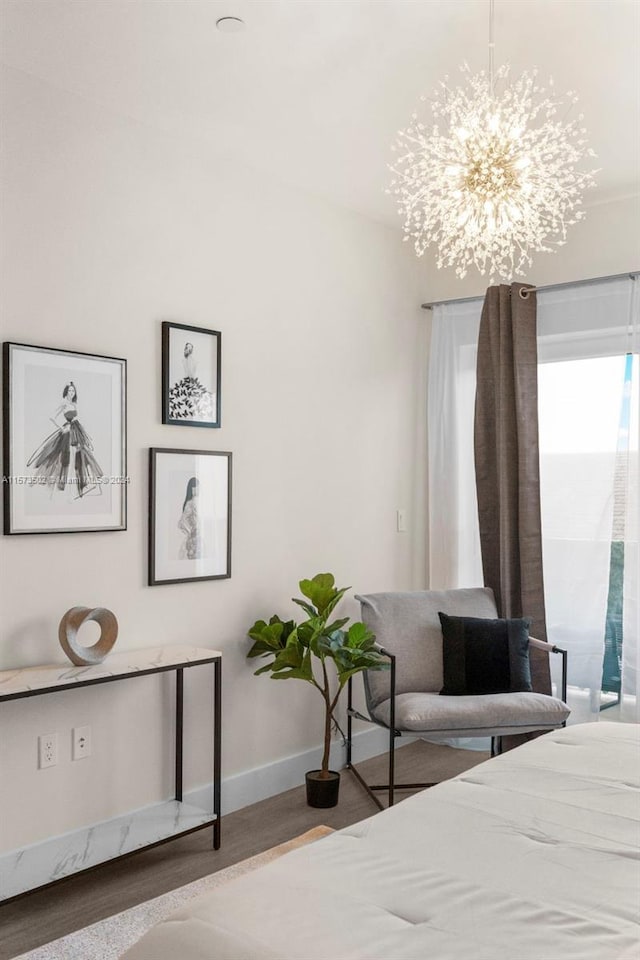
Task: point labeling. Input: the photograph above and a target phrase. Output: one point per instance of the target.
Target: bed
(533, 855)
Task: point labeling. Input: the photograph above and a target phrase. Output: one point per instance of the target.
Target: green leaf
(322, 592)
(366, 662)
(308, 631)
(321, 647)
(336, 625)
(288, 628)
(333, 602)
(343, 675)
(291, 656)
(321, 583)
(359, 635)
(269, 637)
(290, 674)
(308, 609)
(267, 667)
(257, 630)
(293, 663)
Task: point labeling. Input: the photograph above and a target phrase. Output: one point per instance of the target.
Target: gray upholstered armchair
(406, 699)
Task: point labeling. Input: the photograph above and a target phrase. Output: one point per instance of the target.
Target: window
(588, 345)
(587, 456)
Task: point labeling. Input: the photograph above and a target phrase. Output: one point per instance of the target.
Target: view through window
(586, 451)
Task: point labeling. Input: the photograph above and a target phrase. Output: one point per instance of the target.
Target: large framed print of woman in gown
(189, 515)
(64, 441)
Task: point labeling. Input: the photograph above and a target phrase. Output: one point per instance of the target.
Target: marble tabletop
(31, 680)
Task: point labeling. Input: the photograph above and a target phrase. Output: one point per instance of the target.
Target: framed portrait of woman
(191, 368)
(65, 441)
(189, 515)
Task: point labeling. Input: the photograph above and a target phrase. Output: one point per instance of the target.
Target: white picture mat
(37, 380)
(172, 474)
(203, 360)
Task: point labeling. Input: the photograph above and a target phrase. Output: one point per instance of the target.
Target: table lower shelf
(44, 863)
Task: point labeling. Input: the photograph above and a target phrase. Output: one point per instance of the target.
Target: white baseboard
(251, 786)
(254, 785)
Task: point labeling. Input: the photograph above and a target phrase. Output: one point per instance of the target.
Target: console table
(46, 863)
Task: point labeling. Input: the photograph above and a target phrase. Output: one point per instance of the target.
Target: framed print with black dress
(189, 515)
(191, 368)
(64, 437)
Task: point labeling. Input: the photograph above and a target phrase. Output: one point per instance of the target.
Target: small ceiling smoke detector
(230, 24)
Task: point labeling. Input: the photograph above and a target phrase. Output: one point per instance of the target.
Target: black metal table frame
(217, 751)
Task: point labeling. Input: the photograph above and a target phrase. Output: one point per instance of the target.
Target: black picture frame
(191, 382)
(189, 543)
(84, 397)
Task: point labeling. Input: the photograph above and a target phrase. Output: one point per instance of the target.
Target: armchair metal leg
(391, 786)
(349, 719)
(392, 731)
(350, 766)
(363, 783)
(392, 764)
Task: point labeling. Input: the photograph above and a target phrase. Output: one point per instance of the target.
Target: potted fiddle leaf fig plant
(325, 653)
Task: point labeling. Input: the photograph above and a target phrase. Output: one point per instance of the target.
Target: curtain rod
(552, 286)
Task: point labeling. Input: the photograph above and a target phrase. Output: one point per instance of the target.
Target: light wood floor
(79, 901)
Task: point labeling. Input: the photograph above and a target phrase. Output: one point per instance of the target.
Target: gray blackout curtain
(507, 462)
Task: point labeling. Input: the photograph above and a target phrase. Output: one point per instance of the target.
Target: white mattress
(533, 855)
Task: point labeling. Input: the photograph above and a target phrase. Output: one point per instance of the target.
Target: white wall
(109, 228)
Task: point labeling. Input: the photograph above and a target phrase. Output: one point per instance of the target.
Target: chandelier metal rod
(491, 48)
(551, 286)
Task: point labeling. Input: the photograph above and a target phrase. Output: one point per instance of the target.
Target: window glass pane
(580, 403)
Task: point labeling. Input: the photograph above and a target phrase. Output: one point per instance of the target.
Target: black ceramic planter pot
(322, 793)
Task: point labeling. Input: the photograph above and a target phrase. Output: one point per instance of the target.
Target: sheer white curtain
(454, 541)
(589, 481)
(585, 333)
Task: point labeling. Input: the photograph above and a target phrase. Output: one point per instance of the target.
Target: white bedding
(533, 855)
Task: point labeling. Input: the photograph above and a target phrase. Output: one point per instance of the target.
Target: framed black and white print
(64, 438)
(191, 368)
(189, 515)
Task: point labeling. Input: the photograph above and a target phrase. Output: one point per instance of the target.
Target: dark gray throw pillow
(484, 656)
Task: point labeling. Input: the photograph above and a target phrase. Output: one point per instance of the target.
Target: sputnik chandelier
(495, 178)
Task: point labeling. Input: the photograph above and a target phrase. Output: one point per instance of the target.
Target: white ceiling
(313, 91)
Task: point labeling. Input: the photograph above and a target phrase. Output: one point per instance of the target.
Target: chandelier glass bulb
(495, 178)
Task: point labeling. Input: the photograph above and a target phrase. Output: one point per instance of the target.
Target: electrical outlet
(47, 750)
(80, 743)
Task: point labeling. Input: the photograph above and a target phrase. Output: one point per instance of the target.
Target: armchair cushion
(482, 656)
(407, 624)
(494, 714)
